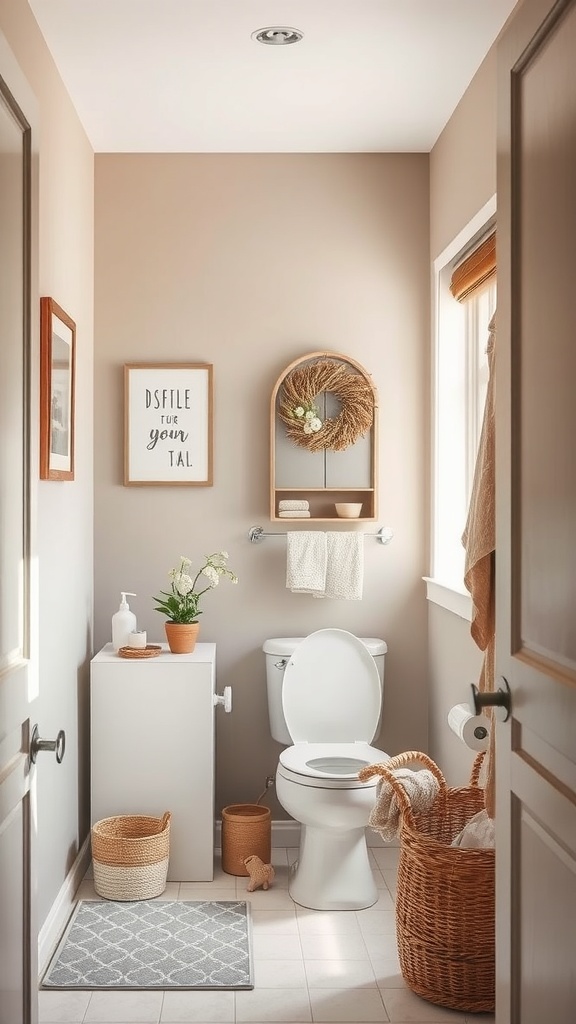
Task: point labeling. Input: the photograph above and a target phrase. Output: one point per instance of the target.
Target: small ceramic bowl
(348, 509)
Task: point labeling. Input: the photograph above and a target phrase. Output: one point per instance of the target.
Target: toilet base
(333, 871)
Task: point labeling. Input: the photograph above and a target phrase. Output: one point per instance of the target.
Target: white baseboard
(61, 909)
(287, 833)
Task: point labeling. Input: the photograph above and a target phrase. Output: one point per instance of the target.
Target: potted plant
(181, 604)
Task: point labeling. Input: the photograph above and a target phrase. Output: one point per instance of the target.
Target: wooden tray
(150, 651)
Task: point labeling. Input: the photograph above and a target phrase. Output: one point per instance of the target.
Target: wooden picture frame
(168, 424)
(57, 386)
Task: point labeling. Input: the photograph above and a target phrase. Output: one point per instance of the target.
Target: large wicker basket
(445, 923)
(130, 856)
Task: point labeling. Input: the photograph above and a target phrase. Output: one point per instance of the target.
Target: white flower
(224, 555)
(211, 574)
(309, 415)
(299, 412)
(183, 584)
(316, 424)
(184, 562)
(308, 429)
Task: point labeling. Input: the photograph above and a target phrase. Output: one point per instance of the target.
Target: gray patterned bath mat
(154, 944)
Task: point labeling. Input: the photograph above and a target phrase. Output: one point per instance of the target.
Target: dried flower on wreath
(299, 412)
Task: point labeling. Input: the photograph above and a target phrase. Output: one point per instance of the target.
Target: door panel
(536, 515)
(18, 600)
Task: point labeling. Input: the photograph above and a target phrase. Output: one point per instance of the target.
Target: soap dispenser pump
(123, 622)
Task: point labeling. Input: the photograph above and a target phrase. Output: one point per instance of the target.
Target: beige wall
(248, 262)
(462, 180)
(65, 513)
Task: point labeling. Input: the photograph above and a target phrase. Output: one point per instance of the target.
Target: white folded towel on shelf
(306, 562)
(299, 514)
(293, 505)
(345, 565)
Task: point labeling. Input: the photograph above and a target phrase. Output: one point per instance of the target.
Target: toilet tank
(278, 652)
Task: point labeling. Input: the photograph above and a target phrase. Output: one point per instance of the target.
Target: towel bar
(257, 533)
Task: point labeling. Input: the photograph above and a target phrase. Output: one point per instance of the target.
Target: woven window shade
(475, 270)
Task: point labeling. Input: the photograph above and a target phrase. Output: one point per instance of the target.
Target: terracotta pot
(181, 636)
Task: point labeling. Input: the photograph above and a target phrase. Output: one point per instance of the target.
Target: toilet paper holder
(500, 698)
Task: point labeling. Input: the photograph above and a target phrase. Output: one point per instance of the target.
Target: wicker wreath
(297, 408)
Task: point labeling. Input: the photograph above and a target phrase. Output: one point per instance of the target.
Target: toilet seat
(331, 692)
(329, 765)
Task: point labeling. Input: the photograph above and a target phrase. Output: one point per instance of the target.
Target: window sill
(457, 601)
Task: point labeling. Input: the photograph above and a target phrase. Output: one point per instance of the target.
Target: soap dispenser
(123, 622)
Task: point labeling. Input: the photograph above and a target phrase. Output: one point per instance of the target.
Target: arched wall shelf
(325, 477)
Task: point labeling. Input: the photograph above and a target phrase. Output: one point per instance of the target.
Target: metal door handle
(58, 745)
(500, 698)
(225, 699)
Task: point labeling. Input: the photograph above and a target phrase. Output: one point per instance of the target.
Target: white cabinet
(152, 736)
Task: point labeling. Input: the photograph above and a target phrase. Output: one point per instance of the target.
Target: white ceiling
(186, 76)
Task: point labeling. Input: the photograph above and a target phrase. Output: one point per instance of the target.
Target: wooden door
(536, 515)
(18, 662)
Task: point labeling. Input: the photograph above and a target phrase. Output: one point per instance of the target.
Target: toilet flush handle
(225, 699)
(281, 664)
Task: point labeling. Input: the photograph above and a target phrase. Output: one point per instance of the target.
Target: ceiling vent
(277, 36)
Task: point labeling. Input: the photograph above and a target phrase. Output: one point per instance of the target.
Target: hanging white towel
(345, 565)
(306, 562)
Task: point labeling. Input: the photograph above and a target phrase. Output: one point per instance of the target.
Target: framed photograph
(57, 366)
(168, 424)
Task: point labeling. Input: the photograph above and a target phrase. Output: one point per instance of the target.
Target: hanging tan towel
(479, 540)
(422, 787)
(479, 537)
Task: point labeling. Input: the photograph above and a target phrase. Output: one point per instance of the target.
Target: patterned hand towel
(422, 788)
(345, 565)
(306, 562)
(293, 505)
(300, 514)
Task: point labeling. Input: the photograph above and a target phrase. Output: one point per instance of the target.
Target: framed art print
(168, 424)
(57, 370)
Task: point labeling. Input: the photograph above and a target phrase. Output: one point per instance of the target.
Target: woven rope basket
(130, 856)
(246, 830)
(445, 924)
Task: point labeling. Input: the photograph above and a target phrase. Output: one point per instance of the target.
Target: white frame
(168, 424)
(439, 590)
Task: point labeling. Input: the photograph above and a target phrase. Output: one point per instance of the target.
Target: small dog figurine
(261, 874)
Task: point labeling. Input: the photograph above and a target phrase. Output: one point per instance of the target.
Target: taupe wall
(248, 262)
(462, 180)
(64, 510)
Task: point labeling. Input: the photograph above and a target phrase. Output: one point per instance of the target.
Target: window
(465, 290)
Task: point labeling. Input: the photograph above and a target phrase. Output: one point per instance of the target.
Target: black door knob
(500, 698)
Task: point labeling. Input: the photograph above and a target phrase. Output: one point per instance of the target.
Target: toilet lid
(331, 691)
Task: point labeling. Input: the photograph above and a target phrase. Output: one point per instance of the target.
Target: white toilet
(325, 700)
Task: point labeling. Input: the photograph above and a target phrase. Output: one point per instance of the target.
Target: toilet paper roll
(472, 729)
(137, 639)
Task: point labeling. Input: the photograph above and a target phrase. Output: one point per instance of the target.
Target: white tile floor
(309, 966)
